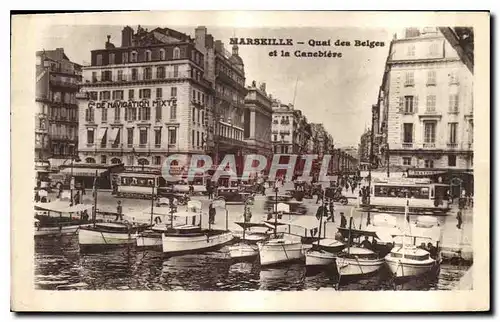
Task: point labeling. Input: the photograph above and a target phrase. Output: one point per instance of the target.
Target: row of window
(131, 158)
(130, 114)
(62, 149)
(409, 104)
(433, 50)
(199, 116)
(63, 97)
(61, 130)
(431, 78)
(144, 93)
(230, 73)
(134, 57)
(146, 74)
(428, 163)
(230, 93)
(63, 113)
(283, 149)
(143, 137)
(285, 120)
(430, 132)
(199, 137)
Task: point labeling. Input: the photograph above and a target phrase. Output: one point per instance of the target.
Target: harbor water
(59, 265)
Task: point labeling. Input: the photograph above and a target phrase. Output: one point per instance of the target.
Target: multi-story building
(258, 119)
(364, 147)
(226, 71)
(285, 124)
(56, 126)
(145, 99)
(426, 106)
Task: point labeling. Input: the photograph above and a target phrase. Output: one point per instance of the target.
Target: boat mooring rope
(285, 251)
(359, 264)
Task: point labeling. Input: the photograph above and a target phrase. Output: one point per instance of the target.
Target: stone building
(426, 106)
(258, 119)
(56, 124)
(144, 100)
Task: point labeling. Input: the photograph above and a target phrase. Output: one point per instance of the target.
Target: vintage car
(233, 194)
(296, 207)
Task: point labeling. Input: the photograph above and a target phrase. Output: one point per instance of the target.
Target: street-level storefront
(85, 173)
(457, 179)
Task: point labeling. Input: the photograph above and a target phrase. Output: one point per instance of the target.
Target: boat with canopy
(67, 221)
(190, 237)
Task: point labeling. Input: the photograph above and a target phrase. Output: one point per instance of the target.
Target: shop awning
(113, 135)
(84, 172)
(101, 134)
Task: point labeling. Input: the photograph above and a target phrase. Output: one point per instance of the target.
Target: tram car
(423, 195)
(139, 185)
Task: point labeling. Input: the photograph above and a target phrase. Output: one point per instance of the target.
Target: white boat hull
(243, 251)
(95, 238)
(319, 258)
(357, 267)
(400, 268)
(148, 241)
(274, 254)
(56, 231)
(182, 244)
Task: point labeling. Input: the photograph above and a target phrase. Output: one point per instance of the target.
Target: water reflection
(61, 266)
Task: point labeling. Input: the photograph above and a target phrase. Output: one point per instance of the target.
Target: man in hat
(343, 220)
(119, 215)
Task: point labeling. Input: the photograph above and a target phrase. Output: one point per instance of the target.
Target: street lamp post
(370, 165)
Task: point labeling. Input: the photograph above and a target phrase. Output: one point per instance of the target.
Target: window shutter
(401, 104)
(126, 114)
(140, 112)
(402, 132)
(415, 104)
(413, 133)
(87, 115)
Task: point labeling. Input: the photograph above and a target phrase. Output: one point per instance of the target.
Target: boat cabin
(358, 253)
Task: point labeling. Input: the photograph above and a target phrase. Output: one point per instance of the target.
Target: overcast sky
(337, 92)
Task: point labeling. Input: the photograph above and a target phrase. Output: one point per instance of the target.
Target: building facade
(226, 72)
(284, 126)
(144, 100)
(56, 126)
(258, 119)
(426, 106)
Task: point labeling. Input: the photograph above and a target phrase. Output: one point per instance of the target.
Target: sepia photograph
(197, 156)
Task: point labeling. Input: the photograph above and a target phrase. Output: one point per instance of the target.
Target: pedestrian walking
(459, 219)
(119, 215)
(247, 214)
(332, 211)
(343, 220)
(77, 198)
(211, 214)
(319, 195)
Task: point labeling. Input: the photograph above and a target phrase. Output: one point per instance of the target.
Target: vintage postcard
(250, 161)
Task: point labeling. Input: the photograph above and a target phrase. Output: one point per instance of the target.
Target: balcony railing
(58, 82)
(452, 145)
(407, 145)
(140, 78)
(429, 145)
(62, 137)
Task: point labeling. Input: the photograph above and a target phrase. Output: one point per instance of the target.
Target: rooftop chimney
(127, 34)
